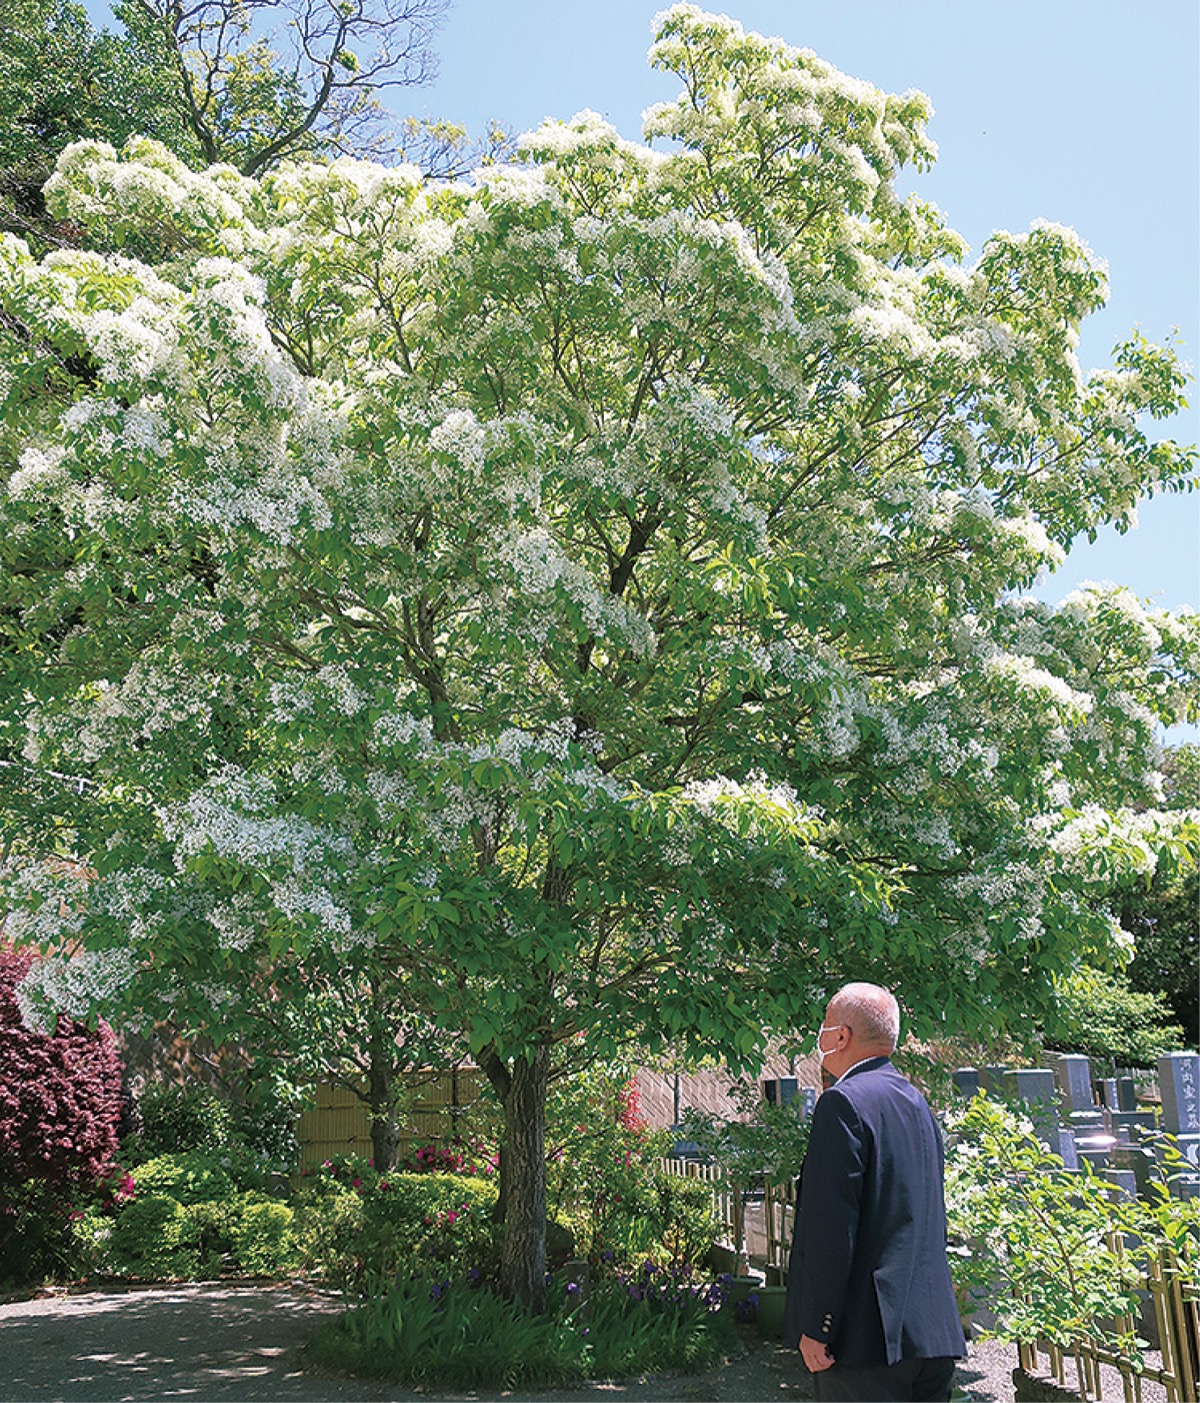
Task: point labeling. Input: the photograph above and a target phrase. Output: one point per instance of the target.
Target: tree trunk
(385, 1130)
(523, 1160)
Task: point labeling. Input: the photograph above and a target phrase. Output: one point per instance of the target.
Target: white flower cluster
(719, 798)
(150, 700)
(540, 567)
(390, 791)
(269, 496)
(235, 816)
(228, 334)
(1024, 674)
(149, 187)
(295, 899)
(124, 895)
(403, 728)
(138, 344)
(235, 923)
(514, 746)
(40, 474)
(1096, 830)
(76, 985)
(1014, 886)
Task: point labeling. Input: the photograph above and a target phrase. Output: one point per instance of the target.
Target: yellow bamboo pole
(1186, 1337)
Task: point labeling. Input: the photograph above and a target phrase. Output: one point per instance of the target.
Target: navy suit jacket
(868, 1273)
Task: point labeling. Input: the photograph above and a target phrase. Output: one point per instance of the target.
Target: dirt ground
(242, 1343)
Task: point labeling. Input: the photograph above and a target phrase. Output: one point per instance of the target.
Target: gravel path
(242, 1343)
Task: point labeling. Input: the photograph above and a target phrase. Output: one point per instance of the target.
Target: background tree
(590, 592)
(1163, 917)
(217, 81)
(1115, 1025)
(263, 79)
(63, 81)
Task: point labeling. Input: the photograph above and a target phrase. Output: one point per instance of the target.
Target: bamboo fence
(1173, 1293)
(1174, 1300)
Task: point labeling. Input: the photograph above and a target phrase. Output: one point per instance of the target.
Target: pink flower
(356, 1183)
(452, 1217)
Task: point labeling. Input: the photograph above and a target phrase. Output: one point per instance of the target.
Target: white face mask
(826, 1028)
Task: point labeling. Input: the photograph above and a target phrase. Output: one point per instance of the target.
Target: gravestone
(1131, 1122)
(967, 1080)
(1096, 1149)
(1179, 1082)
(1126, 1094)
(1108, 1093)
(992, 1080)
(1123, 1181)
(1073, 1075)
(1067, 1148)
(1035, 1088)
(1033, 1085)
(781, 1090)
(1139, 1162)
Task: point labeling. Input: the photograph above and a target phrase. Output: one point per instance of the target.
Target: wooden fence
(756, 1222)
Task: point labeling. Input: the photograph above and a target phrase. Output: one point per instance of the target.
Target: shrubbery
(187, 1216)
(604, 1180)
(1056, 1255)
(175, 1119)
(356, 1227)
(60, 1105)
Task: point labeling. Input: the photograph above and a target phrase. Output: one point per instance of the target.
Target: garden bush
(186, 1216)
(190, 1177)
(176, 1119)
(355, 1227)
(260, 1134)
(263, 1243)
(152, 1238)
(1056, 1255)
(432, 1332)
(604, 1180)
(60, 1106)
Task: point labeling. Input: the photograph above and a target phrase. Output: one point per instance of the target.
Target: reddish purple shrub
(60, 1093)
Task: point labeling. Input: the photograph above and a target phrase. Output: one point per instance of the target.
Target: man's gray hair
(872, 1012)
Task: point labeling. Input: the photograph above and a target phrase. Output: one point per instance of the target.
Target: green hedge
(355, 1228)
(189, 1219)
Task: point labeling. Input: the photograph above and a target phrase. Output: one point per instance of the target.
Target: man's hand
(816, 1355)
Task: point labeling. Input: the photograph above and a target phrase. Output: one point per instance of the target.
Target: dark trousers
(910, 1381)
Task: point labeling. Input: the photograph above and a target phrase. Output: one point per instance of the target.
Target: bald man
(870, 1304)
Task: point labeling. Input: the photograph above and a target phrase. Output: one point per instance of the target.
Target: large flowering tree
(586, 596)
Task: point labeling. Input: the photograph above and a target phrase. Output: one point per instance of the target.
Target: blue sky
(1080, 111)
